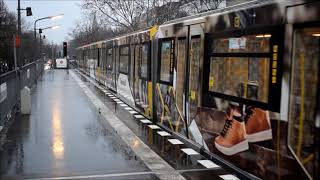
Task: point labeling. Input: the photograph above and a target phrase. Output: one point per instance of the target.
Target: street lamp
(40, 32)
(49, 17)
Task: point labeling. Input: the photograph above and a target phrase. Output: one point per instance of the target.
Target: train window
(124, 60)
(181, 73)
(303, 95)
(194, 70)
(246, 77)
(109, 59)
(144, 61)
(246, 69)
(166, 61)
(258, 43)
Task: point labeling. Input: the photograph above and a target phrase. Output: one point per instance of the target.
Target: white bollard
(25, 100)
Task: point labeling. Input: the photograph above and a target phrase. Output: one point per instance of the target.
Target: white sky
(43, 8)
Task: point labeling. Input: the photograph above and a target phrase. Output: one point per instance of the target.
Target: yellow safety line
(301, 117)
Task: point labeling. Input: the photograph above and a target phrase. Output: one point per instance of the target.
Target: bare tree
(199, 6)
(89, 29)
(166, 11)
(119, 13)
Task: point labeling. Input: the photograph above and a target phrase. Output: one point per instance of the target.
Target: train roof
(116, 37)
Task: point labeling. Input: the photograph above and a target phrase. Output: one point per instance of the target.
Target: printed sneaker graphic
(258, 126)
(232, 138)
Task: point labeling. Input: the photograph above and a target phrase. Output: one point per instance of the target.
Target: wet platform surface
(64, 137)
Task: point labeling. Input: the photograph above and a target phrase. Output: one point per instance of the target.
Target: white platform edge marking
(175, 141)
(154, 127)
(138, 116)
(145, 121)
(189, 151)
(133, 112)
(163, 133)
(208, 164)
(229, 177)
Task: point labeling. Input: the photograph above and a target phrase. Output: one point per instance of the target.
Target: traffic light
(64, 49)
(29, 12)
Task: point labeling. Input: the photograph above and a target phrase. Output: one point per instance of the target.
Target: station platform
(78, 129)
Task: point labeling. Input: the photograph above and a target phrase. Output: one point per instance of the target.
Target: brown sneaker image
(258, 126)
(232, 138)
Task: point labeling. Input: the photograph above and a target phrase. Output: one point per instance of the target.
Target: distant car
(47, 66)
(61, 63)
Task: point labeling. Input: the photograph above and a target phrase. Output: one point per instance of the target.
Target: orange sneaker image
(257, 124)
(232, 138)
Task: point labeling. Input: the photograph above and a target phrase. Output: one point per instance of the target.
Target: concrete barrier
(25, 100)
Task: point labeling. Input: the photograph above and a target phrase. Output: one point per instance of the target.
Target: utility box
(25, 100)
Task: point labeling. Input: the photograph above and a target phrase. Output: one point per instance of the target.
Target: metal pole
(35, 30)
(14, 52)
(40, 45)
(19, 35)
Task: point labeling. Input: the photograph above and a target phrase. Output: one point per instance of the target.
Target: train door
(303, 138)
(110, 70)
(103, 67)
(142, 77)
(99, 65)
(123, 81)
(194, 77)
(91, 63)
(179, 84)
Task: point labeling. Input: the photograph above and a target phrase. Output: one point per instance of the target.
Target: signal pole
(19, 35)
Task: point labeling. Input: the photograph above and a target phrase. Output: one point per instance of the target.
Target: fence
(10, 85)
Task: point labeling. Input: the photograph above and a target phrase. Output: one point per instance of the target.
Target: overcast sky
(44, 8)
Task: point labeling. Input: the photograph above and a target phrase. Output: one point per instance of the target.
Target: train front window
(124, 60)
(166, 61)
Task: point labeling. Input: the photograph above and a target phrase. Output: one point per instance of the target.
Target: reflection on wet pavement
(63, 136)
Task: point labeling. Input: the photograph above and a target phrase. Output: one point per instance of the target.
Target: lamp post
(40, 32)
(49, 17)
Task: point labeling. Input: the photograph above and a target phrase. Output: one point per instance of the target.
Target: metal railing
(10, 85)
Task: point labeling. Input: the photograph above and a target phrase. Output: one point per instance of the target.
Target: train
(240, 82)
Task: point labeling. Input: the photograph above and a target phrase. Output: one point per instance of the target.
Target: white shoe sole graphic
(242, 146)
(260, 136)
